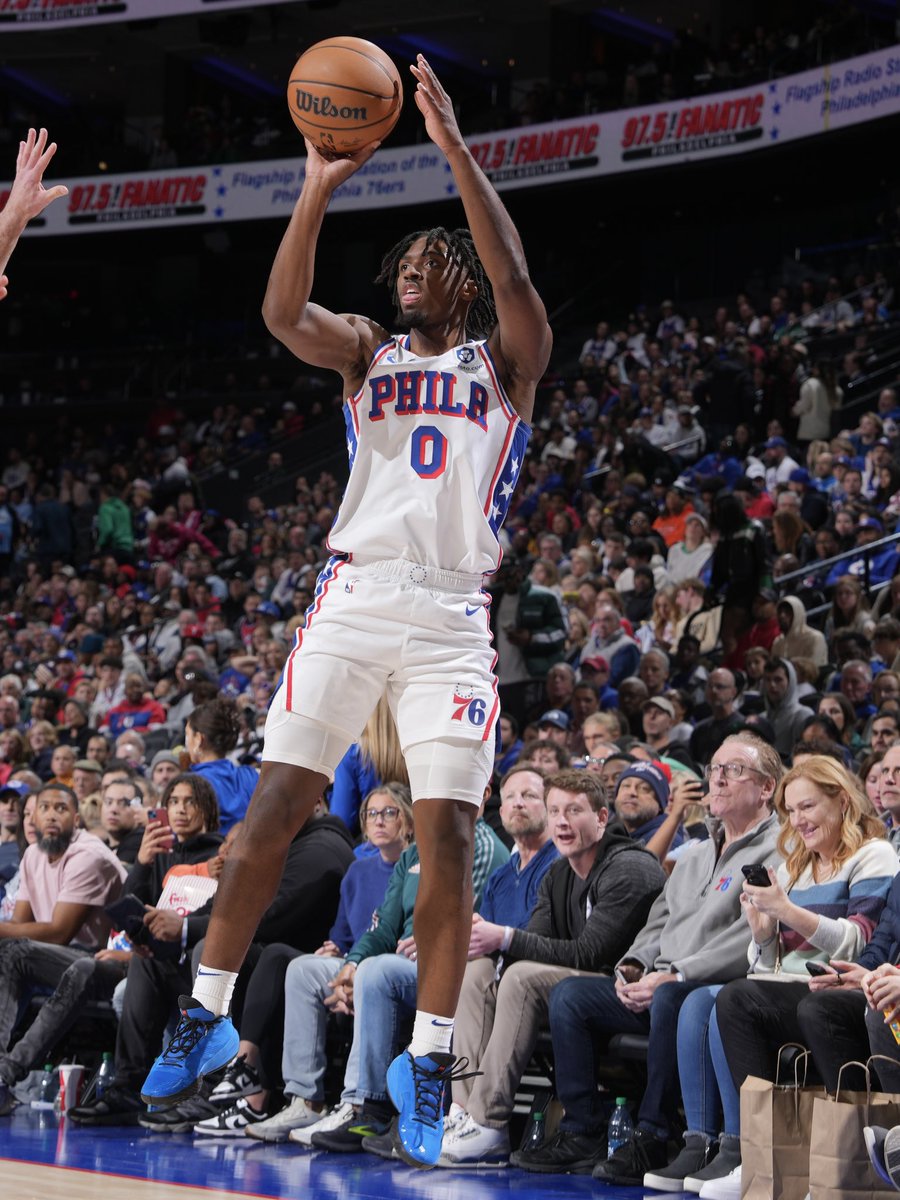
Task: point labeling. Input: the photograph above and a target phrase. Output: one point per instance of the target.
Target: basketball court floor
(43, 1157)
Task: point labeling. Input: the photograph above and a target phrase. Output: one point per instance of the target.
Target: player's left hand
(436, 107)
(4, 287)
(28, 197)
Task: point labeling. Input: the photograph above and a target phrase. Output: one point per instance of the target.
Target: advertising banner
(17, 15)
(683, 131)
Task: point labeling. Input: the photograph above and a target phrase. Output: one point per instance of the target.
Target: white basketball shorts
(419, 633)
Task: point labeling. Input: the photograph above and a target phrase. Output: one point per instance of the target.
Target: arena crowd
(699, 672)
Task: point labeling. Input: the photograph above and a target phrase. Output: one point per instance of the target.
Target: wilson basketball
(344, 93)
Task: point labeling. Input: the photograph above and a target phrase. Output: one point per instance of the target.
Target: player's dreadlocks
(482, 315)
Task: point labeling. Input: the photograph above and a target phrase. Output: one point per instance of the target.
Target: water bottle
(47, 1090)
(104, 1076)
(620, 1127)
(535, 1135)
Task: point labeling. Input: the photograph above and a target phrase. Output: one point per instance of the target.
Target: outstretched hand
(436, 107)
(28, 197)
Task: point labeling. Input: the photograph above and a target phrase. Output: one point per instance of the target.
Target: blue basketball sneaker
(202, 1043)
(416, 1087)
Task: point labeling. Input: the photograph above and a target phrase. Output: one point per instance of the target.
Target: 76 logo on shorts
(466, 707)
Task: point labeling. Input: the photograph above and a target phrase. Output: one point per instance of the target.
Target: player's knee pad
(454, 769)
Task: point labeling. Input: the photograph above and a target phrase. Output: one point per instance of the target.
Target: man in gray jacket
(590, 905)
(695, 934)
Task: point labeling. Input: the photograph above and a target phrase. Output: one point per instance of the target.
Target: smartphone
(820, 968)
(756, 874)
(620, 975)
(162, 815)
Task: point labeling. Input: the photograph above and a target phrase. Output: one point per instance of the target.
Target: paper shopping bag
(775, 1133)
(839, 1167)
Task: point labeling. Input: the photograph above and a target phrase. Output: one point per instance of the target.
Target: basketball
(344, 93)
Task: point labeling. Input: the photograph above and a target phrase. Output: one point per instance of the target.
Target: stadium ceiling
(107, 63)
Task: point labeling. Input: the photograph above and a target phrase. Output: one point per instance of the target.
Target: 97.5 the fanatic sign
(685, 131)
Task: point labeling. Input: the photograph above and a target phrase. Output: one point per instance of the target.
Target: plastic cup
(71, 1080)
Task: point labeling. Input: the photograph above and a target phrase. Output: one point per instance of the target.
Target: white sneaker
(297, 1115)
(726, 1188)
(468, 1144)
(231, 1123)
(453, 1118)
(331, 1120)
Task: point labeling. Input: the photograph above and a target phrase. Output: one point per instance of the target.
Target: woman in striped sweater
(822, 902)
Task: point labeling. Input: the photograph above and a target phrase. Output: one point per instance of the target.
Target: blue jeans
(707, 1088)
(384, 998)
(305, 1018)
(584, 1014)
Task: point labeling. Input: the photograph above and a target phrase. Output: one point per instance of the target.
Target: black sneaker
(641, 1154)
(118, 1106)
(696, 1154)
(180, 1119)
(573, 1152)
(382, 1144)
(348, 1138)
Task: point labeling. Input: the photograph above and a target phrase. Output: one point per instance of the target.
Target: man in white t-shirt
(779, 463)
(67, 877)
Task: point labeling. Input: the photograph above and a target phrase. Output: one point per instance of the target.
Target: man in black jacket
(301, 915)
(590, 905)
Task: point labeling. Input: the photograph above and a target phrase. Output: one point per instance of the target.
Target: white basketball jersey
(435, 451)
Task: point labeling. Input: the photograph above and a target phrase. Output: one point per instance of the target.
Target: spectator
(377, 982)
(724, 718)
(120, 803)
(67, 878)
(785, 712)
(826, 837)
(211, 733)
(136, 711)
(264, 1054)
(693, 934)
(688, 558)
(797, 639)
(589, 907)
(609, 640)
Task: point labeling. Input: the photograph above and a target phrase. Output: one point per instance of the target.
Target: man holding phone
(695, 935)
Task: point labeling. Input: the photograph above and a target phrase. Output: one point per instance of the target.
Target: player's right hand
(337, 169)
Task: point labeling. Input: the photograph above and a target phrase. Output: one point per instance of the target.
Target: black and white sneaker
(239, 1080)
(232, 1123)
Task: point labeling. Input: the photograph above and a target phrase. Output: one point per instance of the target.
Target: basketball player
(436, 433)
(27, 196)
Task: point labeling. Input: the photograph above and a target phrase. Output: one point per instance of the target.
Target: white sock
(431, 1033)
(214, 989)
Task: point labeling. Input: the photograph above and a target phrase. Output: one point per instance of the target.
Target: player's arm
(312, 333)
(524, 335)
(27, 197)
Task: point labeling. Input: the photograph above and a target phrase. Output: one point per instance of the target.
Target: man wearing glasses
(695, 935)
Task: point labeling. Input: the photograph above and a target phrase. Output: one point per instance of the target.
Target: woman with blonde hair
(376, 758)
(42, 738)
(822, 902)
(664, 617)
